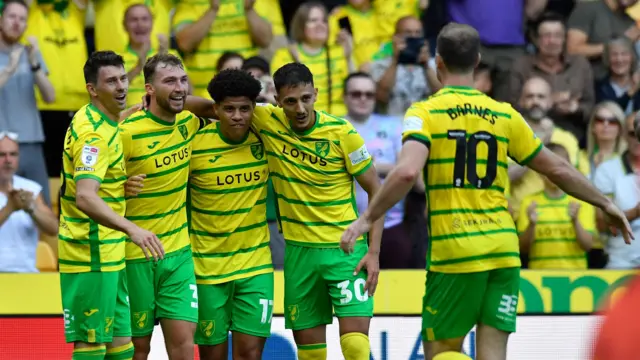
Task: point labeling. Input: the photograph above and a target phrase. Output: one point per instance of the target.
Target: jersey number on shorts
(267, 311)
(467, 159)
(358, 290)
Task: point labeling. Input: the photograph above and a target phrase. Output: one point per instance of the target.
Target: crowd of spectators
(570, 67)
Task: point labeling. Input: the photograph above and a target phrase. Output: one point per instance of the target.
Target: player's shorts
(319, 279)
(96, 307)
(243, 305)
(162, 290)
(454, 303)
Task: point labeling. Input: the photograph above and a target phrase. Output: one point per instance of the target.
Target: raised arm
(260, 29)
(189, 34)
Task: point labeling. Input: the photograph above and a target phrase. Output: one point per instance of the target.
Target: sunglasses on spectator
(11, 135)
(606, 120)
(369, 95)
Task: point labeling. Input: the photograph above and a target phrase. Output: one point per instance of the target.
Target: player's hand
(130, 111)
(148, 242)
(574, 208)
(134, 185)
(532, 212)
(371, 263)
(353, 232)
(618, 222)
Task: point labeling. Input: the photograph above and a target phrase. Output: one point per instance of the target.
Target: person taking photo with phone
(401, 69)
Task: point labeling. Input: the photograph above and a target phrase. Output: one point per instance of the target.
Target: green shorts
(243, 305)
(454, 303)
(96, 306)
(317, 279)
(162, 290)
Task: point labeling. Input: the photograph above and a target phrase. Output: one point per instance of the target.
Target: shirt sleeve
(127, 142)
(524, 145)
(587, 217)
(523, 219)
(90, 157)
(416, 125)
(356, 156)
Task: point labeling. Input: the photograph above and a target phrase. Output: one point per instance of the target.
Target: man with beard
(157, 147)
(93, 229)
(535, 102)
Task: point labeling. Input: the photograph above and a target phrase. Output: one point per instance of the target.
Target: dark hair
(292, 74)
(97, 60)
(459, 47)
(226, 56)
(152, 63)
(233, 83)
(256, 62)
(354, 75)
(6, 4)
(548, 17)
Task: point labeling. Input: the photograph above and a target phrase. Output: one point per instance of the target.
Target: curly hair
(233, 83)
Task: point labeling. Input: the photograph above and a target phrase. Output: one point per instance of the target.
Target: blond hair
(618, 113)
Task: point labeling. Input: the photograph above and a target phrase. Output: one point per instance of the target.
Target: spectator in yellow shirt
(366, 33)
(390, 11)
(207, 29)
(330, 64)
(139, 24)
(555, 229)
(59, 30)
(109, 14)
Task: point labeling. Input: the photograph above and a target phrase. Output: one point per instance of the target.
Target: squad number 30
(466, 159)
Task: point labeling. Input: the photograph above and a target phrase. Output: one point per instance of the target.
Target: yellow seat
(45, 258)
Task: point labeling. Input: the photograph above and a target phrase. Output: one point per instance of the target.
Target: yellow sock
(355, 346)
(123, 352)
(89, 353)
(312, 352)
(451, 355)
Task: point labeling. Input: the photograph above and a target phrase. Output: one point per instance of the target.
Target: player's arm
(400, 180)
(528, 150)
(370, 182)
(88, 176)
(201, 107)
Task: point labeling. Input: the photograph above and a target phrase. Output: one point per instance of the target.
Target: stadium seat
(45, 258)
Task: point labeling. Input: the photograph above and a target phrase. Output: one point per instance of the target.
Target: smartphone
(410, 54)
(345, 24)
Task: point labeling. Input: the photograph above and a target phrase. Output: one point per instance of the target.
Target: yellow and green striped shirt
(470, 137)
(161, 150)
(313, 175)
(367, 34)
(318, 65)
(555, 245)
(92, 150)
(228, 194)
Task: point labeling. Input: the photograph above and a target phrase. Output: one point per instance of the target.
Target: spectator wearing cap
(622, 82)
(23, 213)
(593, 23)
(570, 76)
(402, 74)
(22, 72)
